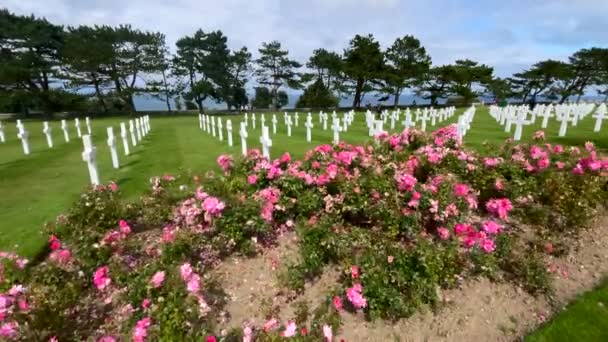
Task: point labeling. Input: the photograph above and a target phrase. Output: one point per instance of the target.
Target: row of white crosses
(566, 114)
(138, 129)
(209, 124)
(463, 124)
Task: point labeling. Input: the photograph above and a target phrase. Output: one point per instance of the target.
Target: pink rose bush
(402, 217)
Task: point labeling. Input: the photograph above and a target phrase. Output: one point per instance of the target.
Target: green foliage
(275, 70)
(317, 96)
(363, 65)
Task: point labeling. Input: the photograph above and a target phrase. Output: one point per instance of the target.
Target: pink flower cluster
(270, 197)
(225, 162)
(193, 286)
(355, 295)
(114, 236)
(140, 331)
(11, 303)
(58, 254)
(405, 181)
(499, 207)
(101, 278)
(470, 237)
(157, 279)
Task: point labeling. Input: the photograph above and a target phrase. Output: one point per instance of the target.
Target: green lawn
(36, 188)
(586, 319)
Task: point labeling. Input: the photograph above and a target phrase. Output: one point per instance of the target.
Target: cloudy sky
(508, 34)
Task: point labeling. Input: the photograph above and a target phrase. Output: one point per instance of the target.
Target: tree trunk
(358, 91)
(396, 100)
(199, 103)
(563, 99)
(166, 92)
(578, 99)
(100, 96)
(433, 100)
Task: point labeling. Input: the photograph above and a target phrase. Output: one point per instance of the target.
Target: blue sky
(509, 35)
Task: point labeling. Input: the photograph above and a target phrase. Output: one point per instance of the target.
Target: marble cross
(309, 126)
(132, 131)
(24, 135)
(220, 129)
(77, 125)
(138, 129)
(274, 124)
(88, 124)
(125, 138)
(297, 118)
(213, 126)
(243, 134)
(113, 150)
(266, 142)
(335, 126)
(47, 131)
(288, 123)
(253, 120)
(229, 131)
(600, 115)
(89, 155)
(2, 137)
(66, 134)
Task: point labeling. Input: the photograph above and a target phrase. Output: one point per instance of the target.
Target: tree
(363, 65)
(317, 96)
(584, 68)
(468, 74)
(264, 99)
(436, 83)
(499, 88)
(275, 69)
(29, 57)
(327, 67)
(135, 53)
(204, 60)
(238, 69)
(86, 57)
(407, 63)
(536, 80)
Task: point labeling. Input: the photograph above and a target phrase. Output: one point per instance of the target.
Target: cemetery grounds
(37, 188)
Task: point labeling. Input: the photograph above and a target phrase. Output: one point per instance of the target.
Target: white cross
(125, 138)
(253, 120)
(47, 131)
(297, 117)
(213, 126)
(600, 115)
(2, 137)
(344, 123)
(77, 125)
(220, 128)
(266, 142)
(200, 121)
(138, 129)
(132, 131)
(378, 127)
(288, 123)
(335, 126)
(112, 145)
(393, 117)
(309, 126)
(229, 131)
(325, 121)
(274, 124)
(564, 123)
(243, 134)
(207, 124)
(89, 156)
(263, 120)
(88, 123)
(424, 118)
(520, 121)
(66, 134)
(24, 135)
(407, 123)
(246, 119)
